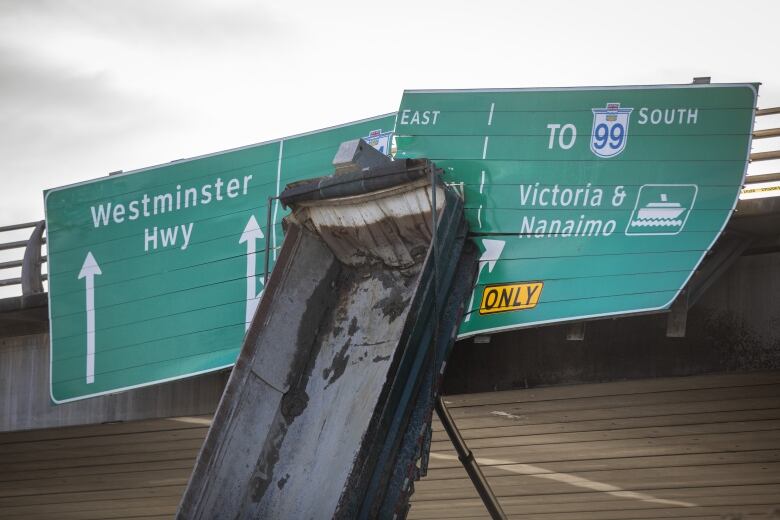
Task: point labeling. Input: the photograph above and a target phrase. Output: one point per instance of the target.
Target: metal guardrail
(765, 134)
(765, 156)
(31, 279)
(767, 111)
(769, 132)
(771, 155)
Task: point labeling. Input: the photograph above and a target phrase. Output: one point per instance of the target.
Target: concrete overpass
(671, 415)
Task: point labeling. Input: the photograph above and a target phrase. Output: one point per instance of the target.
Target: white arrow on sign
(493, 250)
(89, 270)
(251, 233)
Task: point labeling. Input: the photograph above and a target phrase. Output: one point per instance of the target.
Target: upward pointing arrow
(493, 250)
(251, 234)
(89, 270)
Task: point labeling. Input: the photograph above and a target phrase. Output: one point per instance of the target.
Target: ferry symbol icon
(662, 209)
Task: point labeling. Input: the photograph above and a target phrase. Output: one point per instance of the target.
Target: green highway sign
(155, 274)
(586, 202)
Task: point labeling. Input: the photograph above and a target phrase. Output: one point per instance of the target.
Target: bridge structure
(673, 414)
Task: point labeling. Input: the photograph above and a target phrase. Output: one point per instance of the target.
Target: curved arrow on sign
(493, 250)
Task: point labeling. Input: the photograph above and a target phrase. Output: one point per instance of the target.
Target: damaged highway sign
(154, 274)
(602, 200)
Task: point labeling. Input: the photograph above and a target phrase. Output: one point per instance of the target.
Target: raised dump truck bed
(328, 409)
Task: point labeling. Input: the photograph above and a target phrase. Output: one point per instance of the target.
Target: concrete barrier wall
(735, 326)
(25, 402)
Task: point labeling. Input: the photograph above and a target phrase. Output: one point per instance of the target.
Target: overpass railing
(26, 255)
(771, 155)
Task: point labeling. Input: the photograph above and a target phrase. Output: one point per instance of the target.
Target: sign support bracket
(470, 464)
(576, 331)
(268, 230)
(727, 251)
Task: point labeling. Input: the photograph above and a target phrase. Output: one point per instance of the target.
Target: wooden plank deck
(680, 448)
(123, 470)
(703, 447)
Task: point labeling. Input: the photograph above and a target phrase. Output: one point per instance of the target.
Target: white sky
(92, 86)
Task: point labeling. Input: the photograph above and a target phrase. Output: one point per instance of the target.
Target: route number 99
(608, 135)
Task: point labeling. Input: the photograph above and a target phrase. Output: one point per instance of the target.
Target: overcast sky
(92, 86)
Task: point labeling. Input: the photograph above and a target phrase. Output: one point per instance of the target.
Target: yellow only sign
(510, 297)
